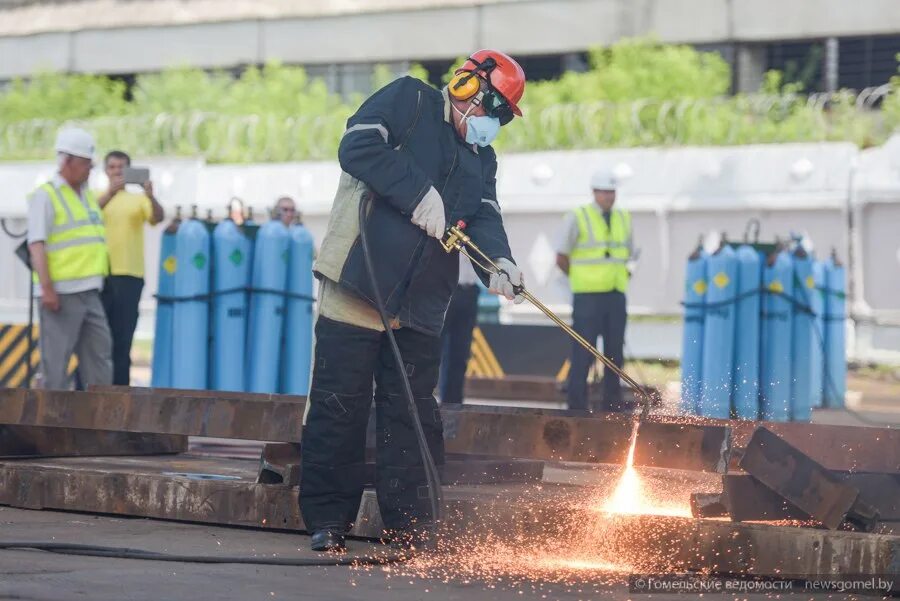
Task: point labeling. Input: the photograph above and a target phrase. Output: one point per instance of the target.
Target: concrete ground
(40, 576)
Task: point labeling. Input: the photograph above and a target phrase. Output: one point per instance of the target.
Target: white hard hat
(76, 142)
(603, 179)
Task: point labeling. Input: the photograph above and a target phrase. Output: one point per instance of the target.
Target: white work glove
(504, 283)
(429, 214)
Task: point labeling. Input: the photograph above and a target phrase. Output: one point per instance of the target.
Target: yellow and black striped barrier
(16, 350)
(521, 350)
(497, 351)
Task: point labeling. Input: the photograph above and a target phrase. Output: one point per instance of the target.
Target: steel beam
(220, 415)
(280, 463)
(667, 442)
(881, 491)
(482, 431)
(806, 484)
(785, 551)
(602, 438)
(841, 448)
(29, 441)
(223, 492)
(683, 446)
(662, 544)
(747, 499)
(220, 491)
(211, 394)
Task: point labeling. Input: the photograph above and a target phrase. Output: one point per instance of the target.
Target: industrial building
(549, 36)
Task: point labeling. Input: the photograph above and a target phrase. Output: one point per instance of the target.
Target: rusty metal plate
(168, 488)
(602, 438)
(281, 464)
(31, 441)
(841, 448)
(794, 476)
(211, 394)
(183, 413)
(524, 514)
(882, 491)
(747, 499)
(683, 446)
(536, 435)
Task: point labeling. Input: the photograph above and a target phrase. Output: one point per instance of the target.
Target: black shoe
(328, 540)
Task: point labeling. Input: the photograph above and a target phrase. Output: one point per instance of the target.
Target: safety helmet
(76, 142)
(604, 179)
(502, 73)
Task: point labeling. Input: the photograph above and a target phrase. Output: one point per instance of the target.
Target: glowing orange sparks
(630, 496)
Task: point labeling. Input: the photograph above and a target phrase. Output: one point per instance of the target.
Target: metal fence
(741, 119)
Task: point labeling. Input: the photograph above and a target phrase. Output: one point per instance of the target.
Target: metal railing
(844, 115)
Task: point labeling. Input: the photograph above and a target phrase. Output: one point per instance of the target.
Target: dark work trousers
(597, 314)
(347, 360)
(456, 342)
(121, 295)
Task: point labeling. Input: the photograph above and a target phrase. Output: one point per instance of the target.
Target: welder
(418, 158)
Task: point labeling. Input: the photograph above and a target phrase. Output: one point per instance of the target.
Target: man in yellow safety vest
(594, 250)
(67, 245)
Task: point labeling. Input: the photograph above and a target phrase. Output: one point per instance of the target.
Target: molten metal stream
(632, 497)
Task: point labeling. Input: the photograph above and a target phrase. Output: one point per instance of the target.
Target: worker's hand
(49, 299)
(505, 282)
(429, 214)
(148, 188)
(116, 184)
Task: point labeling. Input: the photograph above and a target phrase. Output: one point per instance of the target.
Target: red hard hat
(507, 78)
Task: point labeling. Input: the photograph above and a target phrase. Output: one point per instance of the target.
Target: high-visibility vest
(76, 242)
(598, 262)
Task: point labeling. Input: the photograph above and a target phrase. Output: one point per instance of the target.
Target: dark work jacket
(398, 144)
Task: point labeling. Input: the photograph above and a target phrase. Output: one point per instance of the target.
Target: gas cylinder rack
(234, 306)
(763, 331)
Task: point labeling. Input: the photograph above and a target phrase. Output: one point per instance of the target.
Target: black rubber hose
(435, 495)
(126, 553)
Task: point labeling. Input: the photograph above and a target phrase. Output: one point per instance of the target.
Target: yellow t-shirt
(124, 217)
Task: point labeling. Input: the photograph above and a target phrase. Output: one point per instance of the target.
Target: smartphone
(136, 175)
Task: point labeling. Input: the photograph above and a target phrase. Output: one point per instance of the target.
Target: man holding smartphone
(124, 213)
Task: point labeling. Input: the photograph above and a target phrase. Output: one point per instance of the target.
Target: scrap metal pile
(529, 494)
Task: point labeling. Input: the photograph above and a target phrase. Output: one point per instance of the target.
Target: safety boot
(328, 540)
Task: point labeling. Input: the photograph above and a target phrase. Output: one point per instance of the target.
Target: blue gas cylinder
(298, 334)
(747, 333)
(718, 334)
(191, 316)
(817, 354)
(695, 286)
(267, 301)
(165, 308)
(231, 277)
(802, 337)
(775, 347)
(835, 377)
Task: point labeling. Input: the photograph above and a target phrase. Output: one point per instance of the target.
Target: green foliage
(49, 96)
(638, 92)
(640, 68)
